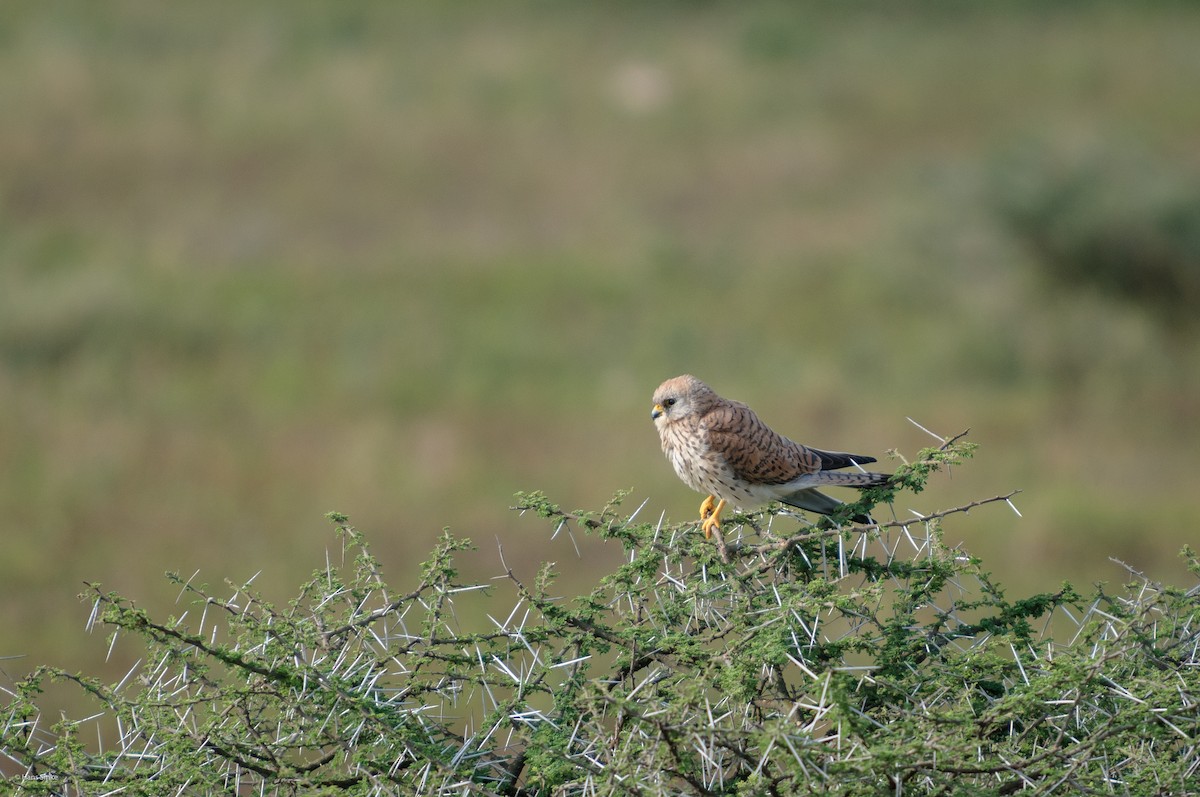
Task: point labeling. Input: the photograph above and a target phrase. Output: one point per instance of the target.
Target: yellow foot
(710, 516)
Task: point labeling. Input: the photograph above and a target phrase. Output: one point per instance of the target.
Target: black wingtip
(833, 460)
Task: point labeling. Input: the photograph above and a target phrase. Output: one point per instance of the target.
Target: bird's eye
(669, 402)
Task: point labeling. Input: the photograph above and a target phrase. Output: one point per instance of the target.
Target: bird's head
(679, 397)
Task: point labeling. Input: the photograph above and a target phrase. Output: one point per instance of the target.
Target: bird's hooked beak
(657, 411)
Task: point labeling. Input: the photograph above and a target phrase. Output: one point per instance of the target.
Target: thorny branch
(753, 665)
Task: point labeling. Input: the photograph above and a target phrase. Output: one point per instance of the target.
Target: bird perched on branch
(720, 447)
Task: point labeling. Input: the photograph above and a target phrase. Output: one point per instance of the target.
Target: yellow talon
(710, 516)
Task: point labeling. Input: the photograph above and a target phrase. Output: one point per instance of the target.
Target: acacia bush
(776, 659)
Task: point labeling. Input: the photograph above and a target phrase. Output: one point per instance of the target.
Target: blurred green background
(259, 261)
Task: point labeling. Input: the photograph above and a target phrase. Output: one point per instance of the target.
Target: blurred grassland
(259, 261)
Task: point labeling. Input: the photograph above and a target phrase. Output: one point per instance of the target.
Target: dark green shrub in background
(779, 659)
(1125, 224)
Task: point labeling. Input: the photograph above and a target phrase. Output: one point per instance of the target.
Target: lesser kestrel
(720, 447)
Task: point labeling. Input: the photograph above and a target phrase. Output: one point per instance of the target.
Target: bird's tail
(851, 478)
(818, 502)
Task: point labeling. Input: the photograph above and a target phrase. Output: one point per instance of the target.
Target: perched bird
(720, 447)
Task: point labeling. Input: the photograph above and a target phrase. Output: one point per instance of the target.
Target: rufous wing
(752, 450)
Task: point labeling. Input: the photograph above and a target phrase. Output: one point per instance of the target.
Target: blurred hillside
(261, 261)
